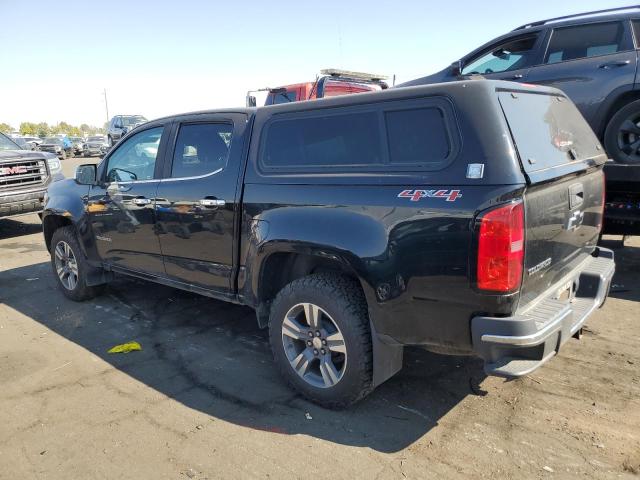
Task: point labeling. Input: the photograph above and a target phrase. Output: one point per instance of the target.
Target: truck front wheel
(69, 266)
(321, 340)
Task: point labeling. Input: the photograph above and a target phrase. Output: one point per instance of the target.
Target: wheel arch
(614, 102)
(51, 223)
(279, 266)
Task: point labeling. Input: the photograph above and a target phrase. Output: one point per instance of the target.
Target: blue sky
(162, 57)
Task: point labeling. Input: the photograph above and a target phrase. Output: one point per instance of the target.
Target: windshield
(133, 120)
(53, 140)
(95, 139)
(7, 144)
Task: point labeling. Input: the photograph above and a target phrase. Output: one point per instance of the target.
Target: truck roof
(397, 93)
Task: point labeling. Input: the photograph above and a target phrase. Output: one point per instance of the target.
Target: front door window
(513, 55)
(135, 159)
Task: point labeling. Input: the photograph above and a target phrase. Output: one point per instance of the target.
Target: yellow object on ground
(125, 348)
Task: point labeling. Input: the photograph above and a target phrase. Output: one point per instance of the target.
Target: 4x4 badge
(415, 195)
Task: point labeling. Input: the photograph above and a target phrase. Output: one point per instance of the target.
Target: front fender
(65, 202)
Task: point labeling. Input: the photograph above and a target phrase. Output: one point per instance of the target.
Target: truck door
(588, 62)
(121, 207)
(199, 198)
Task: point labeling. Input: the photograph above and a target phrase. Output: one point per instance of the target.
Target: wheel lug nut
(323, 351)
(317, 333)
(310, 333)
(315, 351)
(324, 342)
(309, 343)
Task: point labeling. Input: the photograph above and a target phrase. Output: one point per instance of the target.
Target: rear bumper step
(516, 346)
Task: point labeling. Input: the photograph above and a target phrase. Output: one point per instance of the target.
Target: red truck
(331, 83)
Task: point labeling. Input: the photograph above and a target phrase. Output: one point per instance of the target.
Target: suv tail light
(501, 248)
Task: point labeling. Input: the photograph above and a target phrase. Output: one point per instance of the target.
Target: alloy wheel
(629, 137)
(314, 345)
(66, 265)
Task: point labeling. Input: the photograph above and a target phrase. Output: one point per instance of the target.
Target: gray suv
(591, 56)
(120, 125)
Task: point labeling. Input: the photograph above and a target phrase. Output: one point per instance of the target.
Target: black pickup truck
(460, 217)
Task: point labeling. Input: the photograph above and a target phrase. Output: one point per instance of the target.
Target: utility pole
(106, 105)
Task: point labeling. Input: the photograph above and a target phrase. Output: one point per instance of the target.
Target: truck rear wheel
(622, 136)
(70, 267)
(321, 340)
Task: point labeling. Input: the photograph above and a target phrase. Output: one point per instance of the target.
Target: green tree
(64, 127)
(28, 128)
(42, 129)
(6, 128)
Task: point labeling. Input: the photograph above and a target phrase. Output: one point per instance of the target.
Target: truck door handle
(517, 77)
(212, 202)
(141, 201)
(621, 63)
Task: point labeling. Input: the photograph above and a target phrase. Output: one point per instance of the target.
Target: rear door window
(548, 130)
(583, 41)
(201, 149)
(413, 135)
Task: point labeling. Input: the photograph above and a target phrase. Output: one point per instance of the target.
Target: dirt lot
(202, 399)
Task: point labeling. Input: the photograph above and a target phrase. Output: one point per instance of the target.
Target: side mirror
(456, 68)
(86, 174)
(251, 101)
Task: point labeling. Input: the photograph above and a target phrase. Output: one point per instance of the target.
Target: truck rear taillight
(501, 248)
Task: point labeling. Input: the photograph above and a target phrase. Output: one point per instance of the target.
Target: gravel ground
(203, 400)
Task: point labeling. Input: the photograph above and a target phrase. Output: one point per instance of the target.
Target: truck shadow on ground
(10, 228)
(212, 357)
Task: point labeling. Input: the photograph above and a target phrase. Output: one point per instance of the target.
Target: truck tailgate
(562, 161)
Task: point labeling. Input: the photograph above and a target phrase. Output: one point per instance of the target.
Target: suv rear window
(370, 137)
(583, 41)
(548, 130)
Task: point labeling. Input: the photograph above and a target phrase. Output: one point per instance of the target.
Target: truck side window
(351, 139)
(135, 159)
(201, 149)
(571, 43)
(418, 136)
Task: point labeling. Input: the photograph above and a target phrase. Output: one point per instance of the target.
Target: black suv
(456, 217)
(120, 125)
(592, 57)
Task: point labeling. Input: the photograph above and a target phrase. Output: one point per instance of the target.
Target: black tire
(110, 141)
(342, 299)
(80, 291)
(622, 135)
